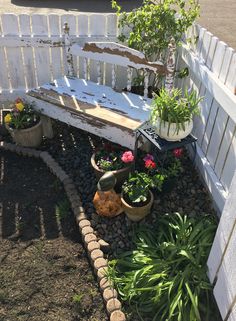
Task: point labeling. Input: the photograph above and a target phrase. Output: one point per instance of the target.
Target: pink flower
(178, 152)
(127, 157)
(149, 164)
(148, 157)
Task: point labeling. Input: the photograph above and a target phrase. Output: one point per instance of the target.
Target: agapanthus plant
(22, 115)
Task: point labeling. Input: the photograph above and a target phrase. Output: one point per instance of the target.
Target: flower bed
(73, 151)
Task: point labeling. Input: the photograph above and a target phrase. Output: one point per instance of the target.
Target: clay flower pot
(120, 174)
(30, 137)
(137, 213)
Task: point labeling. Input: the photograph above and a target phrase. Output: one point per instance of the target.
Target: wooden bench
(93, 106)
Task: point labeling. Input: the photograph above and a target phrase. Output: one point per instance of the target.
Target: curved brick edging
(95, 254)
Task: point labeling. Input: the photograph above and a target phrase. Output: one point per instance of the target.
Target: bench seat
(96, 108)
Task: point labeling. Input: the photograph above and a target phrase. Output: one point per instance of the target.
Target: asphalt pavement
(218, 16)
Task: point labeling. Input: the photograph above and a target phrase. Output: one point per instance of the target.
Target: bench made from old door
(95, 107)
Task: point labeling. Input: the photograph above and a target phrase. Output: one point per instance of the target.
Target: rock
(105, 247)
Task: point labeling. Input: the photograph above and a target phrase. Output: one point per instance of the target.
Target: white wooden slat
(198, 120)
(223, 234)
(218, 57)
(195, 30)
(200, 41)
(42, 57)
(232, 316)
(24, 25)
(220, 92)
(230, 165)
(226, 64)
(206, 46)
(231, 78)
(97, 25)
(83, 24)
(209, 127)
(72, 23)
(27, 52)
(56, 53)
(213, 184)
(99, 74)
(4, 81)
(111, 25)
(225, 288)
(217, 136)
(14, 55)
(10, 24)
(113, 77)
(129, 78)
(224, 148)
(211, 52)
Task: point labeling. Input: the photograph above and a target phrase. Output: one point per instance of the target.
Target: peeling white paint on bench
(83, 96)
(115, 53)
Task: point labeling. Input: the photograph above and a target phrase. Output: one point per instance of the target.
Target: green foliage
(77, 298)
(62, 209)
(174, 107)
(164, 277)
(22, 115)
(153, 25)
(136, 188)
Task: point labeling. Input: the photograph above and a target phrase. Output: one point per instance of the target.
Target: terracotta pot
(136, 213)
(170, 132)
(30, 137)
(120, 174)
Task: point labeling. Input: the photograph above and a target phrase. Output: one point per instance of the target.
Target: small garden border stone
(94, 252)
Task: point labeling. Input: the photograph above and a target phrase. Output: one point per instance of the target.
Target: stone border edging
(95, 254)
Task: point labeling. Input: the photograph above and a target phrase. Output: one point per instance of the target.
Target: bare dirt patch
(44, 271)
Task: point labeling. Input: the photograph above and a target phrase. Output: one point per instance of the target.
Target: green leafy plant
(77, 298)
(175, 106)
(152, 26)
(165, 276)
(22, 115)
(62, 209)
(136, 188)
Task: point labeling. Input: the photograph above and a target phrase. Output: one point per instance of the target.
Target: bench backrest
(115, 54)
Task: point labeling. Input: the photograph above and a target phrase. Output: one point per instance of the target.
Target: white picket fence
(31, 53)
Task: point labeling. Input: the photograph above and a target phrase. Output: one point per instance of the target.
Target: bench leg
(47, 126)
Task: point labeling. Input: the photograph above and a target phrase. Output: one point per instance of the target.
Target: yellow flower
(20, 106)
(7, 118)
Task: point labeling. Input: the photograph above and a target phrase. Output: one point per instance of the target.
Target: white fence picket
(229, 165)
(10, 26)
(224, 148)
(27, 52)
(56, 53)
(42, 58)
(217, 136)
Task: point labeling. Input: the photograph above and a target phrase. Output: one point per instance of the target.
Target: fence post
(69, 57)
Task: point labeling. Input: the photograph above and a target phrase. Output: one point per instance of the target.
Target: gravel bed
(72, 149)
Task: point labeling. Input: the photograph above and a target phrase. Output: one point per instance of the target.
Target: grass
(62, 209)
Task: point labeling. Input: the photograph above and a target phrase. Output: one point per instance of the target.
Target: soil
(44, 271)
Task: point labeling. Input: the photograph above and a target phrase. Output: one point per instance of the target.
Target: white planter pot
(171, 132)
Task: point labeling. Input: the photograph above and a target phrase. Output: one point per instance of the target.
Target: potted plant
(136, 196)
(172, 113)
(24, 124)
(112, 159)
